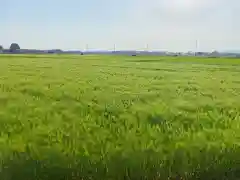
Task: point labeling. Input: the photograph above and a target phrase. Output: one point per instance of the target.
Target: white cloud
(177, 24)
(163, 24)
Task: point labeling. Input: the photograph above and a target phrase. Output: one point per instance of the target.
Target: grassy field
(119, 117)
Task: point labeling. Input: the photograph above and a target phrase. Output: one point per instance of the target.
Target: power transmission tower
(147, 47)
(196, 47)
(114, 48)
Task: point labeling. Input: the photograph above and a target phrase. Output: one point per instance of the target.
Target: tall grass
(119, 117)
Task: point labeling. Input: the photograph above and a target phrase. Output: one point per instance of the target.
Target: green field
(119, 117)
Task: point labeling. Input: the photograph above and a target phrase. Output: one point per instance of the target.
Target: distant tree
(14, 47)
(1, 48)
(58, 50)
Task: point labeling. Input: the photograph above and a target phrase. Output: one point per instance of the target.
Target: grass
(119, 117)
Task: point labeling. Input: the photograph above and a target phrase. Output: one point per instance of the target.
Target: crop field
(70, 117)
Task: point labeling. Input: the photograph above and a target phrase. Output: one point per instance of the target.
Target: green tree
(14, 47)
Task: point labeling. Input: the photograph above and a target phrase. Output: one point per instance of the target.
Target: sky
(172, 25)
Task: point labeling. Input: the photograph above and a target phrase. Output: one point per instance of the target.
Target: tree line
(13, 47)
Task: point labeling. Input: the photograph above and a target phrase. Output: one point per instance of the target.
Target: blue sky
(130, 24)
